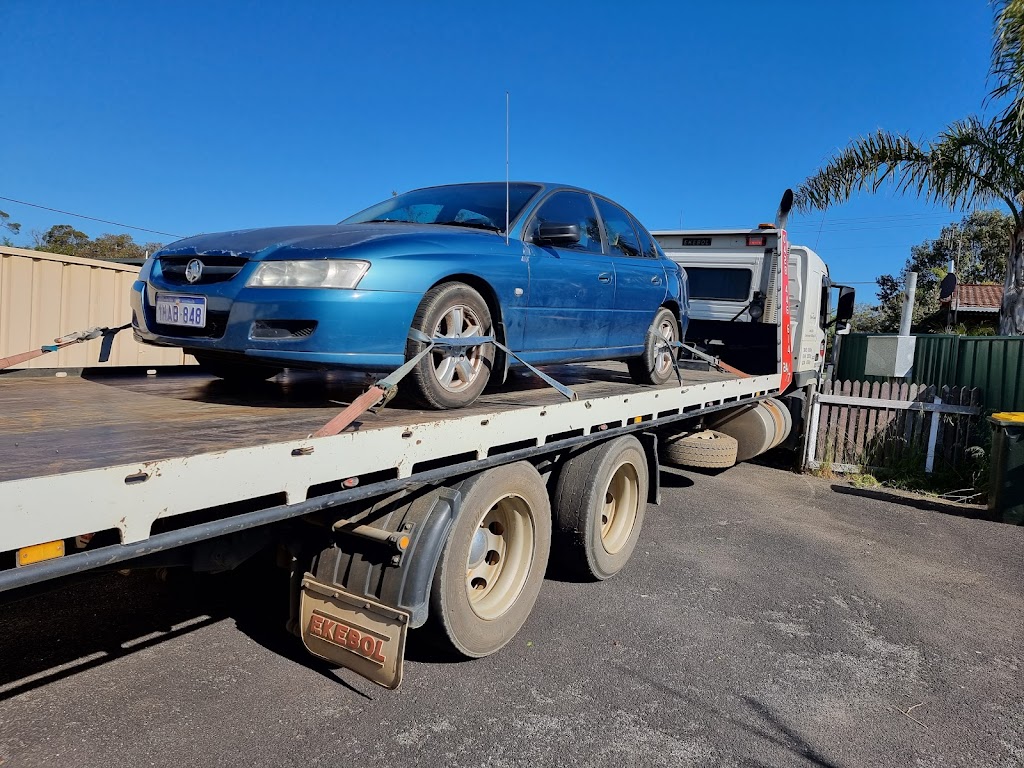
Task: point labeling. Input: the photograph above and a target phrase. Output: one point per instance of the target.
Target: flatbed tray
(51, 425)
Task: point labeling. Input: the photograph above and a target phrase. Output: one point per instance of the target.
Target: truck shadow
(115, 616)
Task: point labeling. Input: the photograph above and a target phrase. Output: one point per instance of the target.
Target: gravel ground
(767, 619)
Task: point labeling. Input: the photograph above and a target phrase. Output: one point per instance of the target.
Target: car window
(646, 241)
(572, 208)
(475, 205)
(423, 213)
(618, 229)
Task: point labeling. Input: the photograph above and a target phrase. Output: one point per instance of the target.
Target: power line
(881, 217)
(90, 218)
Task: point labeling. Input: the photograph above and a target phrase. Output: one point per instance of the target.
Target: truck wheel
(237, 372)
(708, 449)
(492, 567)
(655, 366)
(599, 505)
(451, 377)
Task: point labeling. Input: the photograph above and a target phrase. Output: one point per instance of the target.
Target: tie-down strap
(384, 390)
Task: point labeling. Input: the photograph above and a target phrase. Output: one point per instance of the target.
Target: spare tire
(708, 449)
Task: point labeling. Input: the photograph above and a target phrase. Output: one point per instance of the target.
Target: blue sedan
(557, 274)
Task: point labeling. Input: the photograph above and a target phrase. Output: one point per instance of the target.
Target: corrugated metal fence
(993, 364)
(47, 295)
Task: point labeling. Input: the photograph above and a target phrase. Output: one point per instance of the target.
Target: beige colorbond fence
(47, 295)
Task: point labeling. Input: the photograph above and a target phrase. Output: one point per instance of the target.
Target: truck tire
(656, 366)
(707, 449)
(451, 378)
(599, 502)
(492, 566)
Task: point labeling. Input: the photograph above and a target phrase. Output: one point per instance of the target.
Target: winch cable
(381, 393)
(66, 341)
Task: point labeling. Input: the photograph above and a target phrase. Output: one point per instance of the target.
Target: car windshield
(479, 206)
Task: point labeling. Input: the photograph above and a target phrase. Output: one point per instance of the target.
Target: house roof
(975, 297)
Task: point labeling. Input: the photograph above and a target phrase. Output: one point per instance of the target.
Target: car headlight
(147, 268)
(321, 273)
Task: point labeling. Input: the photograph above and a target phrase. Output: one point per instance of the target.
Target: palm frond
(1007, 70)
(865, 164)
(974, 162)
(968, 162)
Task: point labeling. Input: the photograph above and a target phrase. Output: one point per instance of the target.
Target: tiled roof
(980, 297)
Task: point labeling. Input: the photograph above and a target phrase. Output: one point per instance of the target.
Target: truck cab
(734, 310)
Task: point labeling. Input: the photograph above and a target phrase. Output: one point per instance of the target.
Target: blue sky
(190, 117)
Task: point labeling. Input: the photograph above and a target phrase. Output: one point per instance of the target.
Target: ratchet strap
(66, 341)
(381, 393)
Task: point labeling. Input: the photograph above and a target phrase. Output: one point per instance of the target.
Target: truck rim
(663, 361)
(500, 557)
(456, 368)
(621, 503)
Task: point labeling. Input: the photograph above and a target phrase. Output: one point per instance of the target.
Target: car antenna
(506, 169)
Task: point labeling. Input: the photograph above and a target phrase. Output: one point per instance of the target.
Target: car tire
(708, 449)
(451, 378)
(492, 567)
(657, 364)
(237, 372)
(598, 505)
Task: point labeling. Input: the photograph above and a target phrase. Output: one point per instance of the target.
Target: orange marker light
(39, 552)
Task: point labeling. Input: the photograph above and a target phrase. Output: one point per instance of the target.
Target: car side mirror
(558, 235)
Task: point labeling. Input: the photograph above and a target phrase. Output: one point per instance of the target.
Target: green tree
(65, 239)
(971, 161)
(111, 247)
(12, 227)
(977, 245)
(61, 238)
(867, 319)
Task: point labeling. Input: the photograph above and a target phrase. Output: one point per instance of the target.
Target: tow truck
(385, 518)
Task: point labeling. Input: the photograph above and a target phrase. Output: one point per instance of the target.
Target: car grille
(216, 324)
(283, 329)
(216, 269)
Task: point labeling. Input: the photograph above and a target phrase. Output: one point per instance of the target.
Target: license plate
(189, 311)
(354, 632)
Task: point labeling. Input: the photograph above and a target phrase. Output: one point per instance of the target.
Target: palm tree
(970, 161)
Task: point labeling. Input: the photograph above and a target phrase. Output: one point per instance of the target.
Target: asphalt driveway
(767, 619)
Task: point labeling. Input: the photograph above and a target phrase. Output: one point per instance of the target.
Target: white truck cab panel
(731, 276)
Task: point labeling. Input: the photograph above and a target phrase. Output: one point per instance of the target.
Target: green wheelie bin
(1006, 475)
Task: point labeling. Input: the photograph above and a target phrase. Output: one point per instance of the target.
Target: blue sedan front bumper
(364, 330)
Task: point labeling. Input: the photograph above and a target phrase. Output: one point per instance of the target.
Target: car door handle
(656, 280)
(604, 277)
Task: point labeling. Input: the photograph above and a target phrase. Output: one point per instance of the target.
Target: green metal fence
(994, 364)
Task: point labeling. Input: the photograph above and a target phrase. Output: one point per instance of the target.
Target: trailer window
(719, 283)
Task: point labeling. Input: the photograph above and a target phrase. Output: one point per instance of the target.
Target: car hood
(310, 241)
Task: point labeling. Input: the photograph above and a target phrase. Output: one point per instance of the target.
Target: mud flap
(354, 632)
